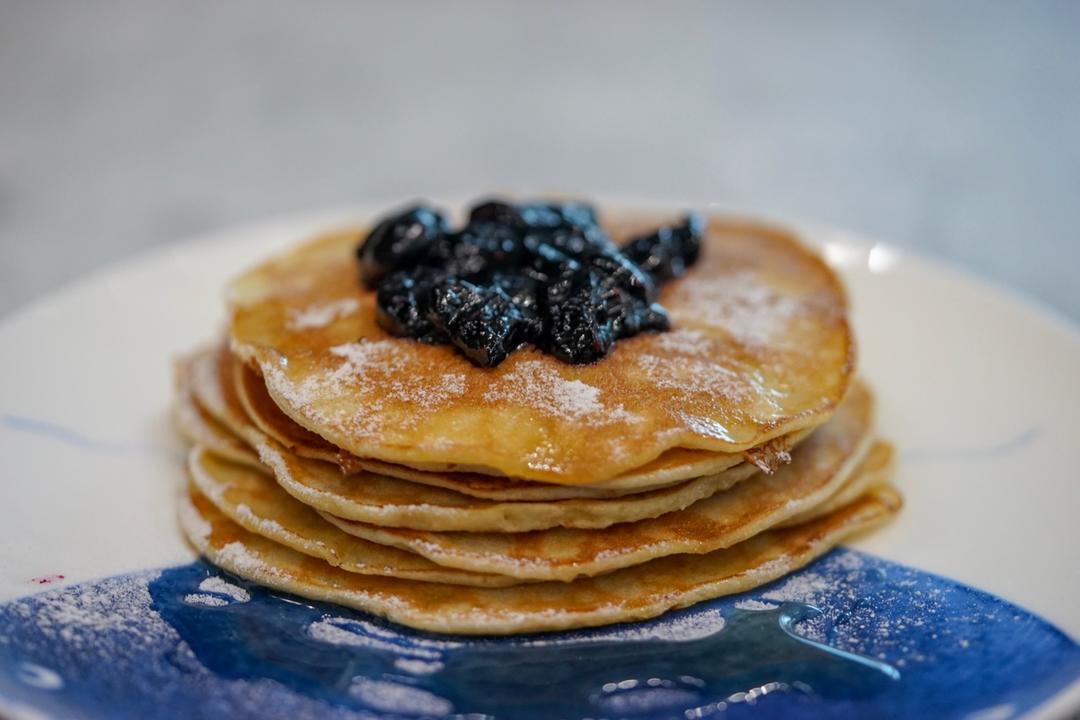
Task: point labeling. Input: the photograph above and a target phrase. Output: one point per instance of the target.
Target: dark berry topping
(666, 253)
(402, 303)
(399, 241)
(516, 273)
(482, 322)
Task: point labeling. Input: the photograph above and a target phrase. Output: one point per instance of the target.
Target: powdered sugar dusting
(393, 697)
(373, 371)
(681, 626)
(265, 526)
(360, 356)
(537, 386)
(544, 456)
(687, 376)
(452, 385)
(747, 308)
(205, 600)
(802, 587)
(352, 632)
(317, 316)
(81, 615)
(333, 633)
(108, 650)
(224, 587)
(236, 557)
(864, 606)
(755, 605)
(675, 628)
(685, 341)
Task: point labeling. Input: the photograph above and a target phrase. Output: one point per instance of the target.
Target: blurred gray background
(952, 127)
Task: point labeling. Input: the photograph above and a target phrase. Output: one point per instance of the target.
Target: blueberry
(482, 322)
(577, 327)
(575, 333)
(654, 318)
(535, 216)
(615, 269)
(522, 291)
(402, 305)
(579, 215)
(666, 253)
(479, 250)
(398, 241)
(692, 235)
(495, 211)
(545, 259)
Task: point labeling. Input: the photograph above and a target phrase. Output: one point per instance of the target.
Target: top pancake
(759, 347)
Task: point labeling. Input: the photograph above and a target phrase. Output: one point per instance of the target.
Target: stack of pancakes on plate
(339, 463)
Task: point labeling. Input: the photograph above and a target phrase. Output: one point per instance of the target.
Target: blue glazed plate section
(850, 636)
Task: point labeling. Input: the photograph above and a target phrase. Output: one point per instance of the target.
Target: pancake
(675, 465)
(264, 414)
(821, 466)
(390, 502)
(760, 348)
(398, 503)
(632, 594)
(255, 502)
(217, 398)
(875, 469)
(199, 427)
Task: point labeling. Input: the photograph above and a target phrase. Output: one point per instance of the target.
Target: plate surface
(979, 390)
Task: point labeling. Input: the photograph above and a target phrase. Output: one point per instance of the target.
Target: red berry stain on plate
(46, 579)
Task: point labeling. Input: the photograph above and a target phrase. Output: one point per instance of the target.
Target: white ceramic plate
(979, 390)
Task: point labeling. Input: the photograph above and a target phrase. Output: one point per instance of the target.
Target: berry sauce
(517, 273)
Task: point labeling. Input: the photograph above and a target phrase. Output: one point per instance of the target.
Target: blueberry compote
(517, 273)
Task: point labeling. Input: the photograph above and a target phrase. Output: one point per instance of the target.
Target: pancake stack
(336, 462)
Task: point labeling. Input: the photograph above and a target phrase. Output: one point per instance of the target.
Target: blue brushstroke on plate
(951, 453)
(60, 433)
(880, 640)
